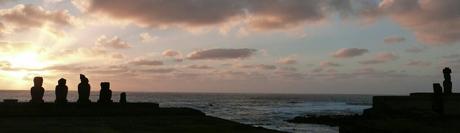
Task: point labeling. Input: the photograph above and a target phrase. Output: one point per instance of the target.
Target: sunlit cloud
(147, 38)
(114, 42)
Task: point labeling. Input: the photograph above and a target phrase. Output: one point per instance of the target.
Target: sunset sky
(241, 46)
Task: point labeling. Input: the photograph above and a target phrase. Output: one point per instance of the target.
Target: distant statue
(438, 104)
(37, 91)
(123, 97)
(84, 90)
(61, 91)
(447, 83)
(105, 95)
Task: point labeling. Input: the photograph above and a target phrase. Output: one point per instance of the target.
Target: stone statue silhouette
(84, 90)
(438, 104)
(105, 95)
(61, 91)
(123, 97)
(447, 83)
(37, 91)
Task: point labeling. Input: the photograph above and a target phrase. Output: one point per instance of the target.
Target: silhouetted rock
(438, 104)
(105, 95)
(447, 83)
(84, 90)
(37, 91)
(123, 97)
(61, 91)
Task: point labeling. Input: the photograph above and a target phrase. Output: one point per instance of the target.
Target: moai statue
(438, 105)
(61, 91)
(447, 83)
(37, 91)
(84, 90)
(123, 97)
(105, 95)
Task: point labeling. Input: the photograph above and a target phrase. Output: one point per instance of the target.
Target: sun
(27, 60)
(22, 66)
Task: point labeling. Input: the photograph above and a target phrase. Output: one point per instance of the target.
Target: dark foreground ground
(120, 124)
(113, 118)
(402, 125)
(361, 124)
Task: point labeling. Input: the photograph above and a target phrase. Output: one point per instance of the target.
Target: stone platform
(414, 104)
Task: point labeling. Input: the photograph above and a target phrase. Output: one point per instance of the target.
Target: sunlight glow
(28, 60)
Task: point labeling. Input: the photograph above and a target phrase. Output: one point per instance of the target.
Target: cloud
(380, 58)
(433, 21)
(114, 70)
(199, 67)
(118, 56)
(371, 72)
(265, 67)
(349, 52)
(159, 70)
(178, 60)
(394, 40)
(220, 54)
(287, 61)
(13, 47)
(24, 17)
(418, 63)
(114, 42)
(147, 38)
(288, 69)
(69, 68)
(147, 62)
(269, 14)
(258, 66)
(170, 53)
(325, 64)
(451, 56)
(414, 49)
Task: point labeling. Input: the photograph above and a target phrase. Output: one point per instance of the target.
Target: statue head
(447, 70)
(105, 85)
(38, 81)
(61, 81)
(83, 78)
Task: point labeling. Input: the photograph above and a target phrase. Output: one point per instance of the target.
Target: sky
(244, 46)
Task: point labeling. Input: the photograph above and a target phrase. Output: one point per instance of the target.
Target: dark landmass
(331, 120)
(113, 118)
(436, 112)
(362, 124)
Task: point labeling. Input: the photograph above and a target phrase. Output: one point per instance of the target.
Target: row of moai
(438, 102)
(84, 89)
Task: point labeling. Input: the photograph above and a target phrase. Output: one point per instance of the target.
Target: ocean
(262, 110)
